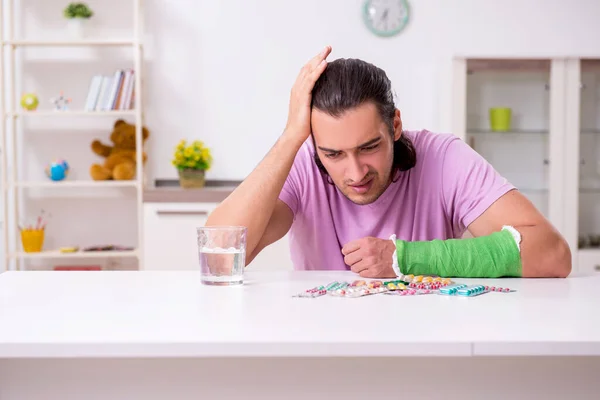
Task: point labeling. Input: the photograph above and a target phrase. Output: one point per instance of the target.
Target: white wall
(221, 72)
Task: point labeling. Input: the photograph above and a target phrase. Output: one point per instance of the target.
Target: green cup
(500, 118)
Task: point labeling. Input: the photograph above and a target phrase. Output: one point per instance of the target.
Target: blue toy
(57, 170)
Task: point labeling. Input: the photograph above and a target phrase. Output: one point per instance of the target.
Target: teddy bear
(120, 163)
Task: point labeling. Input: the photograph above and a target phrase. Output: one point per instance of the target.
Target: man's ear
(397, 125)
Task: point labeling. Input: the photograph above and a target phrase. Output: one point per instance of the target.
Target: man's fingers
(353, 258)
(359, 267)
(350, 247)
(316, 73)
(316, 60)
(367, 273)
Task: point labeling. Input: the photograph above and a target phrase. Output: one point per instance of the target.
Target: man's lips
(363, 186)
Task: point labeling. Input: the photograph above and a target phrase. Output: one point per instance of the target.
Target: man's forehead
(352, 129)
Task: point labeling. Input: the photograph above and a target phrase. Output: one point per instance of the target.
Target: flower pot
(77, 27)
(191, 178)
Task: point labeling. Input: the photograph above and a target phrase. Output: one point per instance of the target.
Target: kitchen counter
(101, 317)
(169, 191)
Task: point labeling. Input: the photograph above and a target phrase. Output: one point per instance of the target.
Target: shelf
(590, 251)
(507, 64)
(62, 114)
(69, 43)
(76, 184)
(523, 132)
(515, 132)
(79, 254)
(542, 191)
(589, 190)
(532, 190)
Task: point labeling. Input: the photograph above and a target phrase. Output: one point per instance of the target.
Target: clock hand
(385, 14)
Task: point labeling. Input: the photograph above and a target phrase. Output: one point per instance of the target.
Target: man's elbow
(560, 262)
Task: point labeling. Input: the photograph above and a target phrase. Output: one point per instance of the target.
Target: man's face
(357, 150)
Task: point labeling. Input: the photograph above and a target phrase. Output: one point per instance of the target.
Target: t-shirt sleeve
(470, 184)
(291, 193)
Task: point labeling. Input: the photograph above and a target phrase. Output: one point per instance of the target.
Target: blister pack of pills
(358, 291)
(471, 291)
(451, 289)
(410, 292)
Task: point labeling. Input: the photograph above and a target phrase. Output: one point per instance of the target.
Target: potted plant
(192, 161)
(77, 15)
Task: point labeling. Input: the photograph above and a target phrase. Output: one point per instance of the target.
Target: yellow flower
(194, 155)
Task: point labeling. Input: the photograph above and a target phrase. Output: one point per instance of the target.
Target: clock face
(386, 17)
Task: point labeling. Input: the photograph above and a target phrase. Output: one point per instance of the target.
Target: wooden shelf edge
(75, 184)
(69, 43)
(78, 254)
(63, 114)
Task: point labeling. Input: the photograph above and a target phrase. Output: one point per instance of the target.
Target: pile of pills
(415, 281)
(322, 290)
(410, 292)
(358, 291)
(498, 289)
(405, 285)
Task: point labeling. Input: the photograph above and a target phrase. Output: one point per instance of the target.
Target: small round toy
(29, 101)
(61, 103)
(57, 170)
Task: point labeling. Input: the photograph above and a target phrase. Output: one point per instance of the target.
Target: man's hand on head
(370, 257)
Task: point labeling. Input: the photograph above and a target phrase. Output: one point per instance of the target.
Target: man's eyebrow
(366, 144)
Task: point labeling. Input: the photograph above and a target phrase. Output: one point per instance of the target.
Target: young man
(360, 193)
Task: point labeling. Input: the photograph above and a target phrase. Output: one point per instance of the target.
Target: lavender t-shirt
(450, 186)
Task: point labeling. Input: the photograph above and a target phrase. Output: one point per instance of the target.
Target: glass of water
(222, 254)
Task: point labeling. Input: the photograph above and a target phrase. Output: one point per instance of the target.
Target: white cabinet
(550, 149)
(588, 262)
(274, 257)
(170, 240)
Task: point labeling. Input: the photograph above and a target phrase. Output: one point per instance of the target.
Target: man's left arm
(492, 252)
(544, 252)
(481, 202)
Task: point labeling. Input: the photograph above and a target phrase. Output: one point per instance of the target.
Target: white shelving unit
(11, 112)
(552, 150)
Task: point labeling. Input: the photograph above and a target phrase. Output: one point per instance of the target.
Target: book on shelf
(109, 93)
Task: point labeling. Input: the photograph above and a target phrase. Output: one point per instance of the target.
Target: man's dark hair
(349, 83)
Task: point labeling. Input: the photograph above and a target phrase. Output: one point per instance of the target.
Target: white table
(156, 335)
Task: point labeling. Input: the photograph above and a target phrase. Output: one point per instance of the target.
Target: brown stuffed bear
(120, 158)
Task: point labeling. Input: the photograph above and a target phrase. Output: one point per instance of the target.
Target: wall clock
(386, 17)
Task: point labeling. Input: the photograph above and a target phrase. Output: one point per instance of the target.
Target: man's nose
(356, 170)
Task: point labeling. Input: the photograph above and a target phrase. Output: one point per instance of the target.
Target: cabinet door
(584, 170)
(511, 111)
(170, 240)
(275, 257)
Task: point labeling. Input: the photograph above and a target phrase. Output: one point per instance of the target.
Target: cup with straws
(32, 235)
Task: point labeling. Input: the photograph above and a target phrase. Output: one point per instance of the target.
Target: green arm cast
(493, 256)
